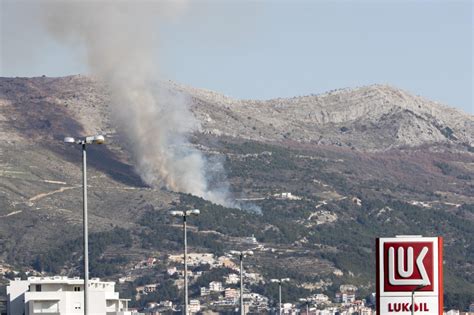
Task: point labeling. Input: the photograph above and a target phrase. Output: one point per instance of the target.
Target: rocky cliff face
(375, 117)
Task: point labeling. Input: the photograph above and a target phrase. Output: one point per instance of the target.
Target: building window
(77, 289)
(38, 288)
(48, 307)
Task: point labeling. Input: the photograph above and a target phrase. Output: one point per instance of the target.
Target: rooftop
(63, 280)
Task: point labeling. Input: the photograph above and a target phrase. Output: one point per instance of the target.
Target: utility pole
(85, 229)
(98, 139)
(242, 284)
(279, 281)
(184, 215)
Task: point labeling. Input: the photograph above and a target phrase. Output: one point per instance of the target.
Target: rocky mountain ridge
(376, 117)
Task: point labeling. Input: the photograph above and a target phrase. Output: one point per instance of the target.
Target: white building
(62, 295)
(232, 278)
(216, 286)
(347, 288)
(320, 298)
(287, 308)
(196, 259)
(171, 271)
(250, 240)
(327, 311)
(365, 311)
(344, 297)
(253, 277)
(287, 196)
(194, 306)
(166, 303)
(149, 288)
(205, 291)
(255, 297)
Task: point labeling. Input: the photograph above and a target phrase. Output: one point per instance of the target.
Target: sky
(268, 49)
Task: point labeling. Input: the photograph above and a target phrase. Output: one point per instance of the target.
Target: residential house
(205, 291)
(216, 286)
(63, 295)
(231, 294)
(194, 306)
(232, 278)
(149, 288)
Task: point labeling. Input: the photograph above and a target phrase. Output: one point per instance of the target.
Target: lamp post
(242, 255)
(306, 300)
(421, 286)
(280, 281)
(98, 139)
(184, 215)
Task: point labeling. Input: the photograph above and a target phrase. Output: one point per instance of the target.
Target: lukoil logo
(408, 265)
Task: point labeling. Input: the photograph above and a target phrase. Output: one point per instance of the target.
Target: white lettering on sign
(407, 271)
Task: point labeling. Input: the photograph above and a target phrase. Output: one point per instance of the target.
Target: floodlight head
(234, 252)
(248, 253)
(193, 212)
(285, 279)
(176, 213)
(69, 140)
(274, 280)
(99, 139)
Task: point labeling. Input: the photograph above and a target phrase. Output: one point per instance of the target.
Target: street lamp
(98, 139)
(280, 281)
(184, 215)
(421, 286)
(242, 255)
(307, 301)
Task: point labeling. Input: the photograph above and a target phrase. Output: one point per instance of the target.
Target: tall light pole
(306, 300)
(184, 215)
(421, 286)
(280, 281)
(242, 255)
(98, 139)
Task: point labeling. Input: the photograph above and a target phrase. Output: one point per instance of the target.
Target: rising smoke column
(120, 40)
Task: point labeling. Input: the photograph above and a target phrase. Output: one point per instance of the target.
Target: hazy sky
(268, 49)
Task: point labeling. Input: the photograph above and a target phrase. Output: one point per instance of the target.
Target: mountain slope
(368, 162)
(373, 117)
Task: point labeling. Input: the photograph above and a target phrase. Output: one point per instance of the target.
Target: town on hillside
(154, 285)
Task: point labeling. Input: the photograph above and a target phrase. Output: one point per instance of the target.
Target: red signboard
(405, 264)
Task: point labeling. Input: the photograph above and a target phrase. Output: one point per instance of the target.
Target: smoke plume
(120, 43)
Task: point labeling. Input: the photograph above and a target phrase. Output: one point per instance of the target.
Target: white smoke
(120, 41)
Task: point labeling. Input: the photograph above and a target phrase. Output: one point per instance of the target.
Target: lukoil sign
(407, 264)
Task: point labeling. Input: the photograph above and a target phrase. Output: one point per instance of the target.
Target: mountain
(376, 117)
(363, 163)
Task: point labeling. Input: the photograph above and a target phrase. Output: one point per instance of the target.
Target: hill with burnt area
(359, 163)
